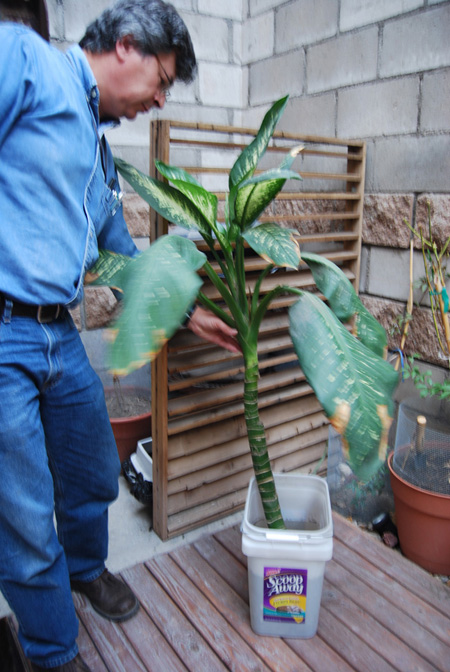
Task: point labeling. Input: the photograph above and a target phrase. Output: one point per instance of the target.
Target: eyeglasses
(165, 85)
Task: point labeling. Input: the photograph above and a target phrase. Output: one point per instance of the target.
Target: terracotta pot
(423, 523)
(129, 430)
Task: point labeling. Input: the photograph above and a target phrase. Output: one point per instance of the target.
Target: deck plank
(228, 644)
(378, 596)
(189, 646)
(403, 572)
(379, 612)
(235, 610)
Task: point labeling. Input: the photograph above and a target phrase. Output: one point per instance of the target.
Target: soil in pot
(130, 416)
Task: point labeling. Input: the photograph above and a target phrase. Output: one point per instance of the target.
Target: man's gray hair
(154, 26)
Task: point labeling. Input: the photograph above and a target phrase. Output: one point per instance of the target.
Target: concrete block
(412, 164)
(346, 60)
(181, 5)
(222, 85)
(101, 307)
(383, 217)
(275, 77)
(416, 43)
(436, 102)
(55, 15)
(258, 38)
(137, 156)
(421, 337)
(304, 22)
(310, 116)
(209, 36)
(238, 44)
(388, 274)
(364, 268)
(196, 113)
(384, 108)
(355, 13)
(137, 215)
(76, 317)
(132, 132)
(259, 6)
(231, 9)
(78, 14)
(439, 209)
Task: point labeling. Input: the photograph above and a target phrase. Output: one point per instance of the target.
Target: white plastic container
(286, 567)
(142, 459)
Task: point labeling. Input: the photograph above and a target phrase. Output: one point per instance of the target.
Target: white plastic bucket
(286, 567)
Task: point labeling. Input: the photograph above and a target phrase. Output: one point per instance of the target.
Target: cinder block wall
(377, 70)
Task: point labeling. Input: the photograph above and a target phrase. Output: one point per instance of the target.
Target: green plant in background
(347, 370)
(433, 283)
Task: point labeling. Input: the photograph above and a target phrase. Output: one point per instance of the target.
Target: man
(58, 205)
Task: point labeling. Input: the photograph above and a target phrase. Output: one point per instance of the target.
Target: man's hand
(209, 327)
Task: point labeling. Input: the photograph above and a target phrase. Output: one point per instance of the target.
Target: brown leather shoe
(109, 596)
(77, 664)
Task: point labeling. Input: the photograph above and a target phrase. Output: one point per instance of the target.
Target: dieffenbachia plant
(347, 370)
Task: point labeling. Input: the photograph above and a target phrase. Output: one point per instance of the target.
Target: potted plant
(420, 464)
(347, 370)
(130, 415)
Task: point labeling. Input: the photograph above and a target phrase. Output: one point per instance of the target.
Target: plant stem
(257, 442)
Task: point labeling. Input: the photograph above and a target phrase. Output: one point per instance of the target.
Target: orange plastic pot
(129, 430)
(423, 523)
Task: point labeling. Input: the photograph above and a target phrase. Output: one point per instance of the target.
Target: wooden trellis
(201, 459)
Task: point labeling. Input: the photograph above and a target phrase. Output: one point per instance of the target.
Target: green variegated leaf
(354, 385)
(158, 288)
(345, 303)
(107, 270)
(168, 201)
(203, 200)
(252, 196)
(247, 161)
(173, 173)
(276, 245)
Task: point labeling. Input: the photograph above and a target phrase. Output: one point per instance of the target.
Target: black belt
(43, 314)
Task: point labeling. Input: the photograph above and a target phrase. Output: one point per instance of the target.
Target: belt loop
(7, 310)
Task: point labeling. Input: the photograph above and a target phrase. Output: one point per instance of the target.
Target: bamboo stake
(409, 305)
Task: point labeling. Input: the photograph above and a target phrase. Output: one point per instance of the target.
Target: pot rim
(410, 485)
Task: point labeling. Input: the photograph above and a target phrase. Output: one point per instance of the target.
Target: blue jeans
(57, 458)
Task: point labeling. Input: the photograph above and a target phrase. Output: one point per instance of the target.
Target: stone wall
(377, 70)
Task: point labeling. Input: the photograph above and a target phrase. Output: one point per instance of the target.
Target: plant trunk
(258, 445)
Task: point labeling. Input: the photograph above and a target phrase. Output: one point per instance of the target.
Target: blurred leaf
(107, 270)
(353, 384)
(159, 287)
(345, 303)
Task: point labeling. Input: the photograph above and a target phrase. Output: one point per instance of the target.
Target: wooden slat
(201, 385)
(109, 639)
(378, 612)
(217, 481)
(414, 637)
(234, 410)
(235, 610)
(228, 644)
(186, 645)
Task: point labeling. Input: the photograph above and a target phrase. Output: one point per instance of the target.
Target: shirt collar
(83, 70)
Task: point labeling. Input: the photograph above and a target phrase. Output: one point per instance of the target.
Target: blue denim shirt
(58, 184)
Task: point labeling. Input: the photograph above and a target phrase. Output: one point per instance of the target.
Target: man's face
(140, 82)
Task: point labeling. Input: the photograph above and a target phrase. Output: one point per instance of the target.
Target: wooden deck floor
(379, 612)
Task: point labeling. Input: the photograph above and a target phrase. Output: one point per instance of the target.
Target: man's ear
(124, 46)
